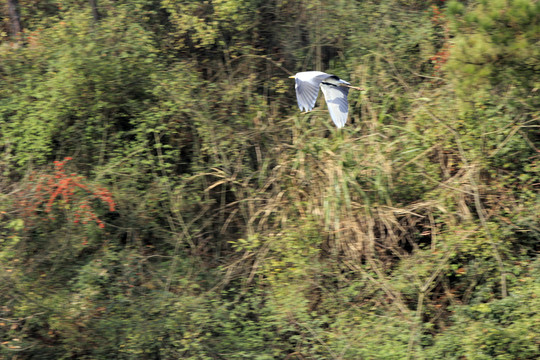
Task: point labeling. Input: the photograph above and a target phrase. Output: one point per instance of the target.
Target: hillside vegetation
(162, 197)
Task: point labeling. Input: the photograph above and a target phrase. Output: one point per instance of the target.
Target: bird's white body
(308, 75)
(334, 89)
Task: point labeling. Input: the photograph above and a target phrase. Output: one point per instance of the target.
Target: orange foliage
(71, 189)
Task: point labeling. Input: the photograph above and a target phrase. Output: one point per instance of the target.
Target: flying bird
(334, 89)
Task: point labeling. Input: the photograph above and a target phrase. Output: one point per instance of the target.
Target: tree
(15, 18)
(95, 11)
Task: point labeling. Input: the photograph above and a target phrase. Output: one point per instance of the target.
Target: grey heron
(334, 89)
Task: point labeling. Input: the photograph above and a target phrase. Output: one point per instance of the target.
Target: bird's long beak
(292, 77)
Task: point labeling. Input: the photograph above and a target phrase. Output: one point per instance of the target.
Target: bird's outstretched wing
(307, 88)
(336, 99)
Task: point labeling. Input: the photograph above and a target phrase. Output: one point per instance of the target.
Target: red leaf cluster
(71, 188)
(441, 57)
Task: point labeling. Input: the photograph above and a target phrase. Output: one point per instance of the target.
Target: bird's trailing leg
(352, 87)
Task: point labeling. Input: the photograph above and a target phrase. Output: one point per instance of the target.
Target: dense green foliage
(244, 229)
